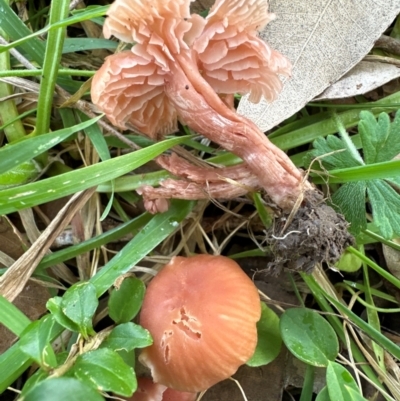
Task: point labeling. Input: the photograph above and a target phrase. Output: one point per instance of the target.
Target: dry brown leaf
(364, 77)
(11, 247)
(32, 302)
(324, 39)
(13, 281)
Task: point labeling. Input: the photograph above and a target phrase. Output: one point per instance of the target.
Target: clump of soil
(317, 234)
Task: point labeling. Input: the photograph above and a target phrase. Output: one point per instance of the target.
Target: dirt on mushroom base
(317, 234)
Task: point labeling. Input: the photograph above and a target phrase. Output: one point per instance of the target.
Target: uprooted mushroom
(187, 67)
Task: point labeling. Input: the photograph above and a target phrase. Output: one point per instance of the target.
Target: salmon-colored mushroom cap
(232, 58)
(202, 313)
(129, 88)
(147, 390)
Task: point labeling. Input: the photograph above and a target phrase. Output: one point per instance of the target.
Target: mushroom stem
(203, 110)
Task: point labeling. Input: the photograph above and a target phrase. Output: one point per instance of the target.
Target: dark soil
(317, 234)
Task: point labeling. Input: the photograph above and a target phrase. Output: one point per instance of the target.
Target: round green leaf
(309, 336)
(79, 304)
(339, 381)
(126, 301)
(106, 371)
(62, 389)
(127, 336)
(323, 395)
(269, 340)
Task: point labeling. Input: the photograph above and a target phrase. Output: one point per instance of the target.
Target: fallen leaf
(364, 77)
(14, 279)
(324, 39)
(10, 244)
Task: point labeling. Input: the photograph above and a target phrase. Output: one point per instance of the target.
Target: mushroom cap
(202, 313)
(147, 390)
(164, 26)
(129, 88)
(232, 58)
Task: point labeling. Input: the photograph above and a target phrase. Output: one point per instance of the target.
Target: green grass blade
(13, 363)
(131, 227)
(132, 182)
(43, 191)
(16, 29)
(160, 226)
(12, 317)
(72, 45)
(22, 36)
(328, 125)
(13, 155)
(52, 57)
(375, 335)
(362, 173)
(97, 138)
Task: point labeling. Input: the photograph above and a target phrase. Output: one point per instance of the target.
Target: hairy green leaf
(380, 142)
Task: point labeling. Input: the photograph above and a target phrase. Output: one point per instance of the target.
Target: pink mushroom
(179, 65)
(201, 312)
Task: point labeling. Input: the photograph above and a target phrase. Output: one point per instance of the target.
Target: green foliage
(105, 370)
(54, 306)
(380, 143)
(127, 336)
(79, 304)
(323, 395)
(12, 317)
(35, 342)
(20, 174)
(309, 336)
(62, 389)
(341, 385)
(126, 300)
(269, 339)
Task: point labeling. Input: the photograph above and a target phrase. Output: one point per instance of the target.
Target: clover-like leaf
(309, 336)
(380, 141)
